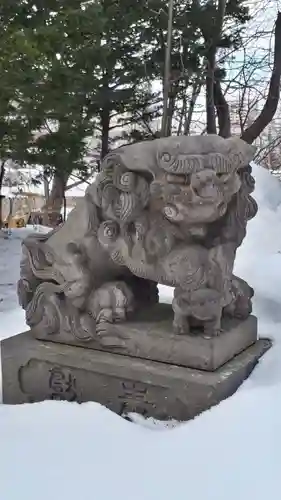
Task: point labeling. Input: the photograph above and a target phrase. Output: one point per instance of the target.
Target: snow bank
(259, 259)
(232, 452)
(58, 450)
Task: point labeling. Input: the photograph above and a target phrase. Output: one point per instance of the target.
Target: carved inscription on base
(64, 383)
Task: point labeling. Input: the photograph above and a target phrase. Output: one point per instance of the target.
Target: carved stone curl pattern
(170, 211)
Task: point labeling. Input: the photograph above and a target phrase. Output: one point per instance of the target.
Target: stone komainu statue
(170, 211)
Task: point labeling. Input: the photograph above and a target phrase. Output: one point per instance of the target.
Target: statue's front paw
(212, 328)
(181, 325)
(109, 336)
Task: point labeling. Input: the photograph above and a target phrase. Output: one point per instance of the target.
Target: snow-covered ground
(232, 452)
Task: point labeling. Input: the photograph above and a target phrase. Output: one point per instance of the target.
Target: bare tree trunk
(211, 63)
(171, 107)
(166, 83)
(54, 204)
(46, 187)
(2, 173)
(182, 115)
(195, 93)
(254, 130)
(105, 123)
(210, 101)
(222, 110)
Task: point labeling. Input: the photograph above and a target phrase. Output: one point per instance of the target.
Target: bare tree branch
(270, 106)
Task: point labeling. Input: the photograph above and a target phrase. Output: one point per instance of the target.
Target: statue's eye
(166, 157)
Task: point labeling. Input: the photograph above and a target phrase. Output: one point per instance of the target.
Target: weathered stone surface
(171, 211)
(34, 371)
(150, 336)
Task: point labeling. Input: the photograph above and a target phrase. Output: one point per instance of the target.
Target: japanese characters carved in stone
(170, 211)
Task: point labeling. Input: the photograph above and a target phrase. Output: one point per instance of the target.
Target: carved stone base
(34, 371)
(150, 336)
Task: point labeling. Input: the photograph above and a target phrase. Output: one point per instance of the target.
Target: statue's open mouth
(183, 179)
